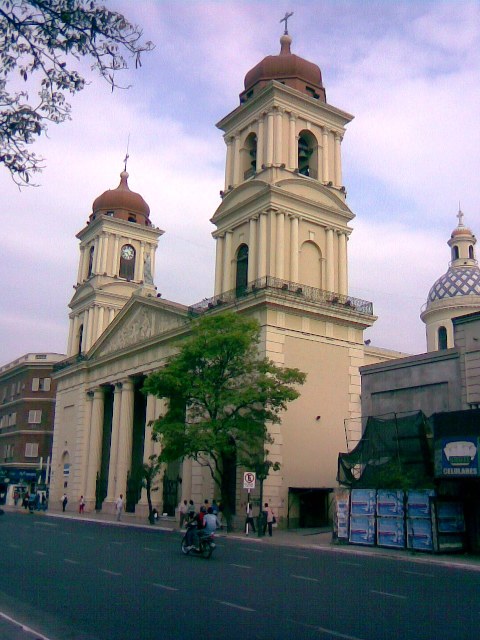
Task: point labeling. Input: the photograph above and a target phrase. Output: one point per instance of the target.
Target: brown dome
(287, 68)
(122, 203)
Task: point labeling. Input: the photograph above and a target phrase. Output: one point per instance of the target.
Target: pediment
(314, 191)
(139, 321)
(240, 195)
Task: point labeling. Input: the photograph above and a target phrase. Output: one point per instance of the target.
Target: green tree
(37, 37)
(150, 471)
(222, 396)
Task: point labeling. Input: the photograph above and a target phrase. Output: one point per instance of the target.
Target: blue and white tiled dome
(458, 281)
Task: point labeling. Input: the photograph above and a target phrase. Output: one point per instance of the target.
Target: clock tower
(117, 259)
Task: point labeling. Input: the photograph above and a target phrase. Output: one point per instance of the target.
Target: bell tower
(117, 259)
(283, 213)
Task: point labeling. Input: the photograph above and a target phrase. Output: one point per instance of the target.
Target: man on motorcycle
(195, 525)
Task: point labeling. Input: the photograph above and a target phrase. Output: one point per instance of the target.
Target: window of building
(442, 338)
(127, 262)
(470, 252)
(8, 452)
(308, 155)
(19, 386)
(132, 217)
(455, 253)
(241, 278)
(12, 419)
(80, 338)
(66, 469)
(249, 156)
(35, 416)
(31, 450)
(41, 384)
(90, 261)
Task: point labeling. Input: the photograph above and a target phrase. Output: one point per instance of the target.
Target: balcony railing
(289, 289)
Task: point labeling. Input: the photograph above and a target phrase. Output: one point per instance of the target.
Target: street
(76, 580)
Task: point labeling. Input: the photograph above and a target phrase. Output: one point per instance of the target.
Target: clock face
(128, 252)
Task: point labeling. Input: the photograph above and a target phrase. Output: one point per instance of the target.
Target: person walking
(119, 506)
(269, 519)
(249, 521)
(190, 510)
(81, 505)
(182, 509)
(64, 501)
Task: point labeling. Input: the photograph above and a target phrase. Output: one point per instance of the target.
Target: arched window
(241, 278)
(442, 339)
(249, 156)
(90, 260)
(80, 338)
(455, 253)
(470, 252)
(127, 262)
(308, 155)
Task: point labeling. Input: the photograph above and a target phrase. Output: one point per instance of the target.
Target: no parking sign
(249, 478)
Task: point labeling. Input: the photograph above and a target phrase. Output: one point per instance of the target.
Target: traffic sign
(249, 480)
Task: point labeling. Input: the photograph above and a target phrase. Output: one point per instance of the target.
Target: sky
(409, 73)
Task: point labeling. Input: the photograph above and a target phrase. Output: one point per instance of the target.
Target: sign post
(248, 484)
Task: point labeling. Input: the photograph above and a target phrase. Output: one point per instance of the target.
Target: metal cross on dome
(285, 19)
(460, 216)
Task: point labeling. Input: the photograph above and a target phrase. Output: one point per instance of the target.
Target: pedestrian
(44, 501)
(119, 506)
(249, 521)
(269, 519)
(64, 501)
(81, 505)
(220, 514)
(16, 496)
(25, 500)
(215, 507)
(182, 510)
(190, 510)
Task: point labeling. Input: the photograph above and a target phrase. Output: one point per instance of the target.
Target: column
(152, 248)
(330, 283)
(89, 328)
(100, 321)
(95, 446)
(218, 264)
(112, 468)
(97, 254)
(343, 265)
(236, 162)
(85, 330)
(260, 143)
(115, 265)
(124, 458)
(338, 160)
(229, 164)
(139, 275)
(292, 143)
(70, 337)
(80, 264)
(326, 173)
(280, 246)
(252, 249)
(86, 262)
(111, 315)
(269, 139)
(227, 262)
(278, 138)
(262, 245)
(294, 249)
(103, 266)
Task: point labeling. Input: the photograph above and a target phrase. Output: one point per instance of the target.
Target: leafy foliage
(150, 471)
(36, 39)
(222, 396)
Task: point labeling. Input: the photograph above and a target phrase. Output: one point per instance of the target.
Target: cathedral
(281, 235)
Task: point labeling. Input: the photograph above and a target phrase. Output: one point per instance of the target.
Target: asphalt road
(86, 581)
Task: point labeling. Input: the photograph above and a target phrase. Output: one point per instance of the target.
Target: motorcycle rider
(211, 523)
(196, 524)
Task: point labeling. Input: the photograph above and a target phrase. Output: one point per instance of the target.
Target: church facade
(281, 234)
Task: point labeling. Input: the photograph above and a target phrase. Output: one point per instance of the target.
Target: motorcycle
(206, 545)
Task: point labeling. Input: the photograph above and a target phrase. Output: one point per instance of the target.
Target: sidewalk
(295, 538)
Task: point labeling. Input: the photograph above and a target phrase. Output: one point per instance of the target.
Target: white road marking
(291, 555)
(419, 573)
(38, 635)
(40, 553)
(330, 632)
(164, 586)
(65, 533)
(111, 573)
(45, 524)
(240, 566)
(250, 550)
(71, 561)
(350, 564)
(304, 578)
(235, 606)
(151, 549)
(116, 542)
(14, 546)
(388, 595)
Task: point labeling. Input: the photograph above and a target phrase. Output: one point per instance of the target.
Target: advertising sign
(342, 510)
(362, 529)
(460, 457)
(363, 502)
(390, 503)
(391, 532)
(418, 503)
(419, 534)
(450, 518)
